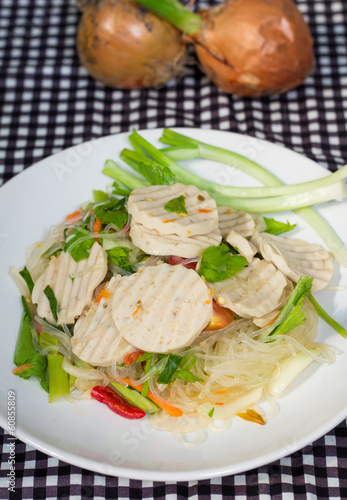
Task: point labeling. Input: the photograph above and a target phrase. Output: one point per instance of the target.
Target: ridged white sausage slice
(243, 246)
(161, 308)
(72, 283)
(270, 317)
(96, 339)
(253, 292)
(146, 205)
(296, 258)
(154, 243)
(241, 222)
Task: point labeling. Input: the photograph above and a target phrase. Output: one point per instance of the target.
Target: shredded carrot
(97, 225)
(166, 221)
(167, 407)
(204, 211)
(224, 391)
(74, 215)
(129, 359)
(22, 368)
(103, 294)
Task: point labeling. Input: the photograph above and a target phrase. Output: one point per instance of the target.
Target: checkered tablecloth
(48, 103)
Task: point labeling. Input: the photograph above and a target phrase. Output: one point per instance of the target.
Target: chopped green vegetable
(217, 264)
(27, 278)
(144, 357)
(188, 362)
(327, 318)
(187, 376)
(120, 190)
(79, 251)
(115, 172)
(99, 196)
(177, 205)
(119, 255)
(46, 340)
(135, 398)
(26, 308)
(145, 387)
(52, 301)
(211, 412)
(171, 366)
(113, 212)
(59, 384)
(26, 354)
(276, 227)
(155, 173)
(291, 315)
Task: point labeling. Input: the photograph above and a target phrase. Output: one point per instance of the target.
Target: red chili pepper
(174, 260)
(116, 403)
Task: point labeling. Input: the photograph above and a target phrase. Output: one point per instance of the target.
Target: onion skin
(255, 47)
(123, 45)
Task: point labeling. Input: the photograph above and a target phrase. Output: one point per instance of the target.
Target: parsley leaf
(177, 205)
(80, 251)
(276, 227)
(156, 174)
(113, 212)
(291, 315)
(217, 263)
(119, 255)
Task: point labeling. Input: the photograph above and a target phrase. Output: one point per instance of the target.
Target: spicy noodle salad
(172, 296)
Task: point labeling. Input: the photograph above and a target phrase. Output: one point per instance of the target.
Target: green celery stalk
(327, 318)
(319, 224)
(135, 398)
(228, 196)
(128, 180)
(145, 387)
(59, 385)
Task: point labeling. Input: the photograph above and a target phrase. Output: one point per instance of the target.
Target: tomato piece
(129, 359)
(221, 317)
(174, 260)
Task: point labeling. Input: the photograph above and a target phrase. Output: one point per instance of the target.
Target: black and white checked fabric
(48, 103)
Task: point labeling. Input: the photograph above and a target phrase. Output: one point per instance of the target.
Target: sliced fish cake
(146, 205)
(161, 308)
(241, 222)
(72, 283)
(254, 292)
(96, 339)
(243, 246)
(296, 258)
(154, 243)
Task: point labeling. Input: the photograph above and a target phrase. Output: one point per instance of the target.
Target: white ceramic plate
(87, 434)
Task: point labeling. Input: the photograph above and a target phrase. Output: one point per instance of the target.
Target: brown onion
(248, 47)
(125, 46)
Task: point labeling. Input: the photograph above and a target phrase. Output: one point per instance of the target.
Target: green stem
(174, 12)
(59, 385)
(130, 181)
(328, 319)
(321, 226)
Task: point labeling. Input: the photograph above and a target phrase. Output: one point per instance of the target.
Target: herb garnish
(218, 263)
(177, 205)
(276, 227)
